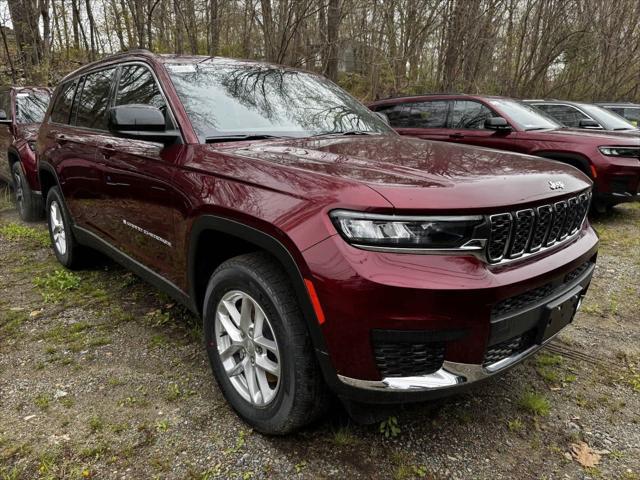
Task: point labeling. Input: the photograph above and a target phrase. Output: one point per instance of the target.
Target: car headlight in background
(632, 152)
(392, 231)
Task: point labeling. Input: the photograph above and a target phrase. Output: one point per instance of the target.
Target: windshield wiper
(536, 128)
(345, 132)
(240, 138)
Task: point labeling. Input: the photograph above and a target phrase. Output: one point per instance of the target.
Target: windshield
(31, 106)
(525, 116)
(225, 99)
(609, 120)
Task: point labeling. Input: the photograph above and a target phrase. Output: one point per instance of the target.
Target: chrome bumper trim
(451, 374)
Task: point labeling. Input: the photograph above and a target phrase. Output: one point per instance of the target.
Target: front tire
(259, 348)
(67, 250)
(28, 204)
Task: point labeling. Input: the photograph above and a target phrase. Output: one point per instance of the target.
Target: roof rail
(421, 95)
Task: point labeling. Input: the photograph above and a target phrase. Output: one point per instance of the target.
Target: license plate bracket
(560, 312)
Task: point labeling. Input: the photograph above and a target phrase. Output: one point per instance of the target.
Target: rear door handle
(456, 135)
(61, 139)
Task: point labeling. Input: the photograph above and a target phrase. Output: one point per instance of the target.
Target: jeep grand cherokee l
(321, 248)
(610, 159)
(21, 111)
(584, 115)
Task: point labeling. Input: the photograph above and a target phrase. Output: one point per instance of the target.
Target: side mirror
(383, 117)
(142, 122)
(3, 117)
(497, 123)
(589, 123)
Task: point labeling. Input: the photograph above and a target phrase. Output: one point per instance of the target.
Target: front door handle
(456, 135)
(108, 151)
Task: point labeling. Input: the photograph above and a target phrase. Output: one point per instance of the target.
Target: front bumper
(618, 181)
(447, 299)
(453, 375)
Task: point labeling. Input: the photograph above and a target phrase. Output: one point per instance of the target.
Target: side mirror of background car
(497, 123)
(3, 117)
(383, 116)
(142, 122)
(589, 123)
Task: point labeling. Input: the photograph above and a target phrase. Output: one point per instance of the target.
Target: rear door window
(469, 115)
(61, 111)
(93, 101)
(432, 114)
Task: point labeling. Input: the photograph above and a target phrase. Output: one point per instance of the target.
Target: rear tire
(290, 391)
(67, 250)
(29, 205)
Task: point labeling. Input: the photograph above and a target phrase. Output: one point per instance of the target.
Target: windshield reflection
(31, 107)
(254, 99)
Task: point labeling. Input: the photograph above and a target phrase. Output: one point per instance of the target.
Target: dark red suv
(21, 111)
(323, 251)
(610, 159)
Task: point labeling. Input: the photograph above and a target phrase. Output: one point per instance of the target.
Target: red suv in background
(21, 111)
(321, 248)
(610, 159)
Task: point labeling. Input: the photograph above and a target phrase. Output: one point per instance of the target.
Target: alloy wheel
(57, 228)
(247, 348)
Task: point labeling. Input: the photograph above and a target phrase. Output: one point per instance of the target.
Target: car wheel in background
(28, 204)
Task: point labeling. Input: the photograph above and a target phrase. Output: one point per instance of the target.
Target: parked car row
(609, 158)
(323, 251)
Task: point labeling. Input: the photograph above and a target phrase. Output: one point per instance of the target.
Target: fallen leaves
(585, 455)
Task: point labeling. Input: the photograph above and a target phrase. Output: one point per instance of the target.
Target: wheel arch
(243, 238)
(574, 159)
(48, 178)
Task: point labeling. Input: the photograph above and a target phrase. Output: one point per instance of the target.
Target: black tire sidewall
(275, 414)
(24, 207)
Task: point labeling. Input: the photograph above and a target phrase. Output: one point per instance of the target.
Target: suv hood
(423, 175)
(28, 131)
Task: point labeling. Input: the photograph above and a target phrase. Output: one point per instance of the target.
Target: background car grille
(529, 230)
(408, 359)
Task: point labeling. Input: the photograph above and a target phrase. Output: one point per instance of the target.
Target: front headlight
(632, 152)
(392, 231)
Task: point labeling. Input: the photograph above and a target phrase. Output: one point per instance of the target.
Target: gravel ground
(101, 376)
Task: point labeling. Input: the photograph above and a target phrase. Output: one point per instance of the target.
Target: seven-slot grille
(532, 229)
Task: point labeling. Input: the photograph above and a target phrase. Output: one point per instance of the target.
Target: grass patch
(54, 286)
(535, 404)
(11, 320)
(515, 425)
(42, 401)
(17, 232)
(344, 438)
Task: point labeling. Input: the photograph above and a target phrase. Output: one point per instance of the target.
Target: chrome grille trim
(551, 224)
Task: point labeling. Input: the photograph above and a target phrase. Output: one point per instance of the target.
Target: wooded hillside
(577, 49)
